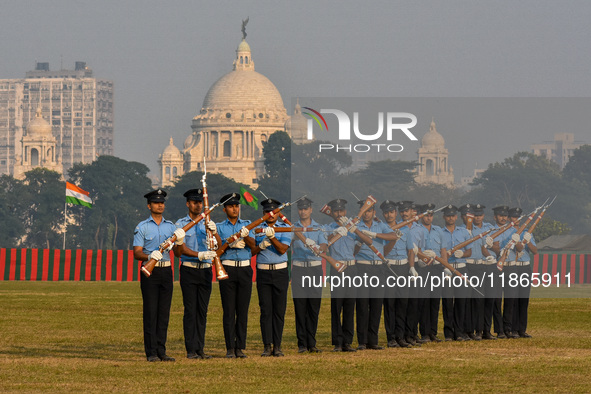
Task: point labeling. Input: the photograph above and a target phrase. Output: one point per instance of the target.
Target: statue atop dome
(244, 23)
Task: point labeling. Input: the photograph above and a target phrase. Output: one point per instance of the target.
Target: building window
(227, 148)
(34, 157)
(430, 169)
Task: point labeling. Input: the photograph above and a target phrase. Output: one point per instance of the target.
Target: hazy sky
(164, 56)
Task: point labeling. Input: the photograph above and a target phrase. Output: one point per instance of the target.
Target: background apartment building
(78, 107)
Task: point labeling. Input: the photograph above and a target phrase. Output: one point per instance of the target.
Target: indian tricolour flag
(75, 195)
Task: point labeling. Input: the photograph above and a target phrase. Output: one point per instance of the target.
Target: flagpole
(65, 225)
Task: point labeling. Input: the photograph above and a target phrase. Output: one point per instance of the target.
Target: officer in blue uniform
(156, 289)
(342, 302)
(501, 216)
(195, 275)
(370, 299)
(396, 298)
(454, 298)
(306, 297)
(237, 289)
(433, 248)
(524, 247)
(272, 279)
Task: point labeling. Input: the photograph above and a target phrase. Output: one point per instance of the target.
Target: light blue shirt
(365, 253)
(344, 247)
(402, 245)
(270, 255)
(299, 251)
(432, 238)
(477, 245)
(450, 239)
(150, 235)
(195, 238)
(226, 229)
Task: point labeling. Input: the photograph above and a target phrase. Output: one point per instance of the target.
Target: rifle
(220, 272)
(511, 244)
(369, 202)
(254, 224)
(540, 216)
(340, 267)
(415, 218)
(327, 211)
(288, 230)
(148, 266)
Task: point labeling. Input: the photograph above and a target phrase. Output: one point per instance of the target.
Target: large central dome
(243, 88)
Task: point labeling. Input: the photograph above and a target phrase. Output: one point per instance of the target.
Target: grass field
(87, 336)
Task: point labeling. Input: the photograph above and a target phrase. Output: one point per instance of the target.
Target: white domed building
(239, 113)
(38, 148)
(433, 160)
(171, 163)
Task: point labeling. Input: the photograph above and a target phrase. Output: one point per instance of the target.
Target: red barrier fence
(120, 266)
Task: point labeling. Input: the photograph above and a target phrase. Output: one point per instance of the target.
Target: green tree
(578, 168)
(12, 211)
(276, 183)
(548, 226)
(117, 187)
(44, 197)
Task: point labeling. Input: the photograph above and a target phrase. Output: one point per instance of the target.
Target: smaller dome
(171, 150)
(432, 139)
(297, 126)
(243, 46)
(39, 126)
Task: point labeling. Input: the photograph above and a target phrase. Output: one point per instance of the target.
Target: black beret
(233, 199)
(269, 204)
(515, 212)
(388, 206)
(466, 208)
(158, 195)
(404, 205)
(425, 207)
(450, 210)
(304, 203)
(338, 204)
(478, 209)
(194, 195)
(501, 210)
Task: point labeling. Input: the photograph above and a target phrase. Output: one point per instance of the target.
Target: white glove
(415, 249)
(207, 255)
(430, 253)
(156, 255)
(489, 241)
(180, 236)
(398, 233)
(413, 272)
(447, 272)
(264, 244)
(212, 227)
(238, 244)
(526, 237)
(353, 229)
(343, 220)
(310, 243)
(244, 232)
(459, 254)
(270, 232)
(370, 234)
(515, 237)
(490, 259)
(342, 231)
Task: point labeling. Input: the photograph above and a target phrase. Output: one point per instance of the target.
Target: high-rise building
(78, 107)
(560, 150)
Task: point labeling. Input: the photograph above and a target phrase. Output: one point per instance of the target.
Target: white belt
(300, 263)
(196, 264)
(517, 263)
(272, 267)
(348, 263)
(369, 262)
(162, 264)
(493, 261)
(236, 263)
(475, 261)
(458, 265)
(398, 262)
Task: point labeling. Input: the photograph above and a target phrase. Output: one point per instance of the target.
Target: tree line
(32, 209)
